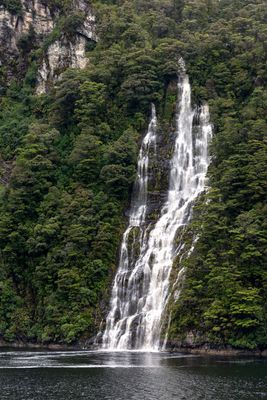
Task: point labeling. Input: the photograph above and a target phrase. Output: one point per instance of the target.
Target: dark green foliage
(54, 5)
(68, 162)
(72, 22)
(13, 6)
(67, 24)
(224, 296)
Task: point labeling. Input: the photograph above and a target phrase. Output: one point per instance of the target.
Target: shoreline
(30, 345)
(205, 350)
(223, 352)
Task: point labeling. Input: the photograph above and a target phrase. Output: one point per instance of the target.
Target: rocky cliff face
(33, 13)
(38, 26)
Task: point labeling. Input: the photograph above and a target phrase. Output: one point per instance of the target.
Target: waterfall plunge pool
(92, 375)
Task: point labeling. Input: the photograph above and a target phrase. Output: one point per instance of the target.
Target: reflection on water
(40, 375)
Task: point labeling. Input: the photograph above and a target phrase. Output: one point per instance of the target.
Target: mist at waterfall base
(141, 286)
(35, 375)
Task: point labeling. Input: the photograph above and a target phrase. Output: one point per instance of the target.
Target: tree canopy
(68, 162)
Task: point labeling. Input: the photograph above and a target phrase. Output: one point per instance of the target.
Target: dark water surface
(34, 375)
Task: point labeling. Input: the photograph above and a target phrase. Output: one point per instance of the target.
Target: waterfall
(122, 301)
(141, 286)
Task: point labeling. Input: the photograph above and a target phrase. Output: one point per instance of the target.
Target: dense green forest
(68, 162)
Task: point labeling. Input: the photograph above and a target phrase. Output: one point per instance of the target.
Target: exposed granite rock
(64, 53)
(38, 20)
(60, 55)
(35, 16)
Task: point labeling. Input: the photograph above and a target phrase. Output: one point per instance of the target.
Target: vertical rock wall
(35, 24)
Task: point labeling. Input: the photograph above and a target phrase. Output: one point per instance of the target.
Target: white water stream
(141, 286)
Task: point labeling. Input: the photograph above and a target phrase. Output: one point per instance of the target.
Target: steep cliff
(38, 31)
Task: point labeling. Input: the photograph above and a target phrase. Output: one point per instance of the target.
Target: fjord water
(26, 375)
(141, 286)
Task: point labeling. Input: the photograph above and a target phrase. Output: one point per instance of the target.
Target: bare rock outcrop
(34, 24)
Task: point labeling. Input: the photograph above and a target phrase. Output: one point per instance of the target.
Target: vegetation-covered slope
(68, 162)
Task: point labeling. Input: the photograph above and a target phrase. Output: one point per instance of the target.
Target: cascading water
(140, 291)
(121, 299)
